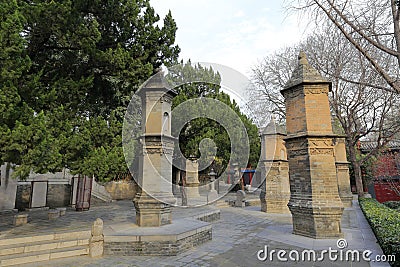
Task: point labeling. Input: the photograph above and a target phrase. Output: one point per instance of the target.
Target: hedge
(395, 205)
(385, 223)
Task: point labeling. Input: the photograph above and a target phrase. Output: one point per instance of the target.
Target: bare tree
(268, 78)
(360, 110)
(372, 27)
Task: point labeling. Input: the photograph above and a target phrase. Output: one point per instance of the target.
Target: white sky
(235, 33)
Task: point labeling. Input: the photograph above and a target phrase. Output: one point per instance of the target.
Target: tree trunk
(357, 170)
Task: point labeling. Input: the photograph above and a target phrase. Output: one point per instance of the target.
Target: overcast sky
(235, 33)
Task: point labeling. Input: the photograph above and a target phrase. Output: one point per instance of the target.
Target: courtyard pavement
(238, 237)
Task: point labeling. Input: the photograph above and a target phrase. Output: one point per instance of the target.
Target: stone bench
(53, 214)
(20, 219)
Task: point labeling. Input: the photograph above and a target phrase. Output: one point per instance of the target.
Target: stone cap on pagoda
(304, 73)
(273, 128)
(157, 82)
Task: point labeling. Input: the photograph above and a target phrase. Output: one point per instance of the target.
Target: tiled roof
(369, 145)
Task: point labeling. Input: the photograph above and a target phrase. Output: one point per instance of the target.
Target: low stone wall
(121, 190)
(209, 217)
(176, 238)
(158, 248)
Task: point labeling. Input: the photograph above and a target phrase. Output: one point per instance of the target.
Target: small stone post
(342, 172)
(96, 241)
(212, 194)
(314, 198)
(275, 193)
(192, 178)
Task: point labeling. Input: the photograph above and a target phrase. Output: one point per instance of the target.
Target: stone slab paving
(119, 212)
(237, 238)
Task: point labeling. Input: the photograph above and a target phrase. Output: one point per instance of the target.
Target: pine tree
(70, 69)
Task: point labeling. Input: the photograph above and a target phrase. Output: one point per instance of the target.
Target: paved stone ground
(237, 237)
(110, 213)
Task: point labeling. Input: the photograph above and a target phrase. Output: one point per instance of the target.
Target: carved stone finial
(304, 72)
(303, 58)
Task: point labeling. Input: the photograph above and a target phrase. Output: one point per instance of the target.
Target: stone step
(41, 246)
(42, 238)
(46, 255)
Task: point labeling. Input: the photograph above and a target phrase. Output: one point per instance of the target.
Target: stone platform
(237, 237)
(167, 240)
(122, 237)
(190, 230)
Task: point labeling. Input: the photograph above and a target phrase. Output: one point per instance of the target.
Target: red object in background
(383, 192)
(386, 166)
(386, 173)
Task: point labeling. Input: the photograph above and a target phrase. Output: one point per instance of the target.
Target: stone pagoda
(275, 169)
(342, 171)
(154, 199)
(314, 200)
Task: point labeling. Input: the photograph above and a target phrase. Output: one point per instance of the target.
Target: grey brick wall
(156, 248)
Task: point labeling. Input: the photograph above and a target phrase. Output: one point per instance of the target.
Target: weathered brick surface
(342, 172)
(314, 201)
(157, 248)
(155, 156)
(275, 170)
(215, 216)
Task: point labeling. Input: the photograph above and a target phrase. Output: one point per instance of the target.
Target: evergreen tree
(71, 68)
(197, 82)
(13, 64)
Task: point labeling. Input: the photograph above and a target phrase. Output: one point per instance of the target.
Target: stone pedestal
(192, 179)
(151, 212)
(342, 172)
(96, 241)
(53, 214)
(277, 190)
(20, 219)
(212, 195)
(154, 197)
(275, 169)
(314, 201)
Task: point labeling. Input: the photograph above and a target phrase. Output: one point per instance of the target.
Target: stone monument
(314, 200)
(154, 198)
(192, 179)
(275, 170)
(212, 195)
(342, 172)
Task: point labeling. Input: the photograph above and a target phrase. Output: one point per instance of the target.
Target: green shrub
(395, 205)
(385, 223)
